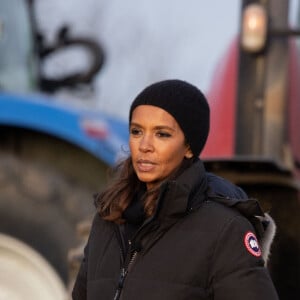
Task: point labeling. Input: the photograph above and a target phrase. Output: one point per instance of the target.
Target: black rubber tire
(41, 208)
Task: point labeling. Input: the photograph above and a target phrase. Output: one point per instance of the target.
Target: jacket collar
(178, 196)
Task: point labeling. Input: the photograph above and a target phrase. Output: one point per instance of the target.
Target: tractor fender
(97, 133)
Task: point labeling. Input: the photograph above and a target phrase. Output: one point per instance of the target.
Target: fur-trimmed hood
(223, 191)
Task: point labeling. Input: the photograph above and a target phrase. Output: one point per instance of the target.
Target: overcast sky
(145, 41)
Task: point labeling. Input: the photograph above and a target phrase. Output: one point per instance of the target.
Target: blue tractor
(53, 156)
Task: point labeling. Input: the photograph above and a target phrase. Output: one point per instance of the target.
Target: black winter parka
(193, 248)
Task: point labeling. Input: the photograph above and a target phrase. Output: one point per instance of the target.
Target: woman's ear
(189, 153)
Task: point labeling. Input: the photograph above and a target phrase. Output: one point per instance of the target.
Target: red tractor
(254, 139)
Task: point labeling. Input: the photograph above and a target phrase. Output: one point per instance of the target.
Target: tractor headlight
(254, 28)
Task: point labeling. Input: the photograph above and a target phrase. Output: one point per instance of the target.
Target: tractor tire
(41, 208)
(25, 274)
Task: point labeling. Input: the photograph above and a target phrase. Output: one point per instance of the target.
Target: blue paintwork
(39, 113)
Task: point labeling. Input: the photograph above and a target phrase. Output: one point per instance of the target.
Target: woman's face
(157, 144)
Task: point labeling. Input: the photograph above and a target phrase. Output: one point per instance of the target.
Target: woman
(162, 230)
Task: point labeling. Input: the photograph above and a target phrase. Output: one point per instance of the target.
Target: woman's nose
(146, 144)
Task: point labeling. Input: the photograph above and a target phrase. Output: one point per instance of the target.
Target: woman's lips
(145, 165)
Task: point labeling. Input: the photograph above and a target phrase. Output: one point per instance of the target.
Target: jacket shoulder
(220, 212)
(100, 226)
(216, 216)
(222, 187)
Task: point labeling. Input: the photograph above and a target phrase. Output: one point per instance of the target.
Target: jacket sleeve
(238, 270)
(79, 291)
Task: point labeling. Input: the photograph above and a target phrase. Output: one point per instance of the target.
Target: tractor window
(294, 20)
(17, 63)
(294, 13)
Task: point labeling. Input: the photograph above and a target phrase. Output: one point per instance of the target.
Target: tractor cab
(18, 60)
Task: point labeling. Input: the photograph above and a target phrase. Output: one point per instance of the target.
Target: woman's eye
(134, 131)
(163, 134)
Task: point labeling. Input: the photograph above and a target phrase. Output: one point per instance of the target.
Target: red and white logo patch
(251, 244)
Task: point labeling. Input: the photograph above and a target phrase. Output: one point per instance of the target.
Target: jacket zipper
(126, 268)
(124, 272)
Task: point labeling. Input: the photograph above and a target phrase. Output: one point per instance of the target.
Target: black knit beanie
(185, 103)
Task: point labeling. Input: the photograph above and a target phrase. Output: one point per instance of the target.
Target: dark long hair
(124, 185)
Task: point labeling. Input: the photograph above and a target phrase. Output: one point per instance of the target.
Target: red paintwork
(222, 101)
(294, 105)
